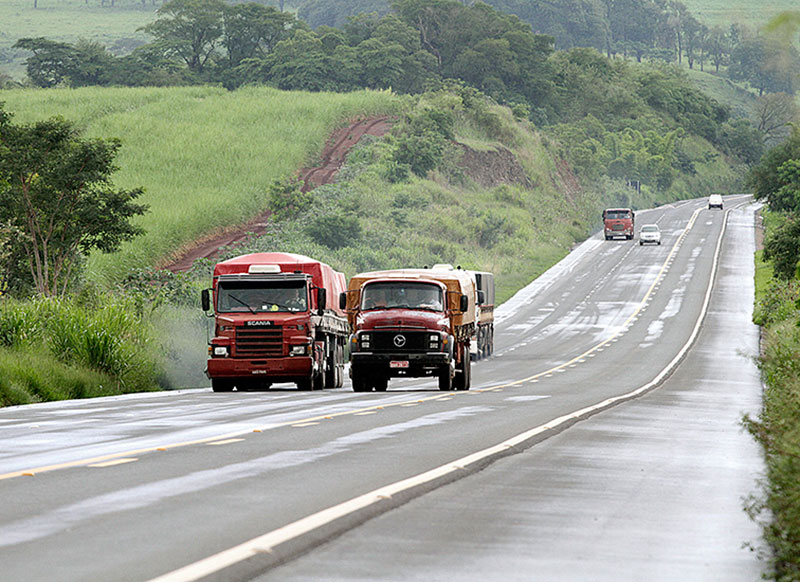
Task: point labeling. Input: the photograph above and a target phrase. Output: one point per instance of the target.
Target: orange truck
(618, 222)
(410, 323)
(273, 322)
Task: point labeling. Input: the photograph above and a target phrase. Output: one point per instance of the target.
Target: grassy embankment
(778, 426)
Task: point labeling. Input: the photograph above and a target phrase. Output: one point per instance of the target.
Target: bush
(335, 230)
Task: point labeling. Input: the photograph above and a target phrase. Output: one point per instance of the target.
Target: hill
(206, 157)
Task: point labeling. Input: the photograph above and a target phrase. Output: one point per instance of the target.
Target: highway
(601, 441)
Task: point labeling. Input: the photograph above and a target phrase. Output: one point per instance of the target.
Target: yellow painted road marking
(114, 462)
(303, 424)
(373, 412)
(225, 442)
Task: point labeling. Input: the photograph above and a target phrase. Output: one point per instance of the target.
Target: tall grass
(52, 349)
(205, 156)
(725, 12)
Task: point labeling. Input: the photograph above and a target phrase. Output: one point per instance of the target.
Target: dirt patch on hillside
(332, 158)
(492, 168)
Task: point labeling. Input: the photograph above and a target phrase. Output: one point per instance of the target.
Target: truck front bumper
(286, 369)
(413, 365)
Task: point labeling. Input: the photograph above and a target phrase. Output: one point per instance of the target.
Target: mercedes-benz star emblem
(399, 340)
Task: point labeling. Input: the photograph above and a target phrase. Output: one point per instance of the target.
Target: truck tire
(445, 380)
(360, 384)
(463, 371)
(304, 385)
(380, 384)
(221, 385)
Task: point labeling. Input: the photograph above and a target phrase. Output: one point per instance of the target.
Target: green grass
(742, 101)
(205, 156)
(68, 21)
(754, 14)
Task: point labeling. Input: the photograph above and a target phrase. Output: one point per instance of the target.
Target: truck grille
(384, 341)
(259, 342)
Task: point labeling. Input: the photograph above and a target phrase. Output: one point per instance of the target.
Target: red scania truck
(412, 323)
(618, 222)
(273, 323)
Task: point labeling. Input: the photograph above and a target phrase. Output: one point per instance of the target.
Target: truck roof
(322, 275)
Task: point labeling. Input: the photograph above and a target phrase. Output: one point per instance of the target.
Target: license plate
(398, 364)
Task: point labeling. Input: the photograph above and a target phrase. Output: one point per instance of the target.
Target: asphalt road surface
(601, 441)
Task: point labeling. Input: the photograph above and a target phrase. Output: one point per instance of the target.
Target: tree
(782, 244)
(48, 65)
(189, 30)
(253, 30)
(56, 189)
(774, 181)
(774, 113)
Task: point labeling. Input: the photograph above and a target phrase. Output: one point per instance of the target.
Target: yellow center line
(225, 442)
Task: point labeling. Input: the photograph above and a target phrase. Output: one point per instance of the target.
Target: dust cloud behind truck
(410, 323)
(276, 319)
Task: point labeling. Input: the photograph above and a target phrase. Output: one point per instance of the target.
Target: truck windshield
(402, 295)
(236, 296)
(617, 214)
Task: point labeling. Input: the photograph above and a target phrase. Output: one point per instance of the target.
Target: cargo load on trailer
(274, 322)
(410, 323)
(482, 344)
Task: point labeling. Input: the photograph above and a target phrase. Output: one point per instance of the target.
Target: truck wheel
(220, 385)
(381, 384)
(318, 381)
(359, 382)
(445, 381)
(466, 374)
(331, 363)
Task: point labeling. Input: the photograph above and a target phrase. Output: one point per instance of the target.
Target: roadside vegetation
(776, 181)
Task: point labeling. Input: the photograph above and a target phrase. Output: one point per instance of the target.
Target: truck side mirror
(464, 303)
(205, 299)
(481, 297)
(322, 300)
(342, 301)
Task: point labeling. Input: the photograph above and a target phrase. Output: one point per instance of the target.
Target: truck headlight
(220, 351)
(364, 339)
(298, 351)
(433, 341)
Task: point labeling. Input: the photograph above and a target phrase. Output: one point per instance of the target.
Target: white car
(650, 233)
(715, 201)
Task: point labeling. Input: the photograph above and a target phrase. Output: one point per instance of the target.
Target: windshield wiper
(235, 298)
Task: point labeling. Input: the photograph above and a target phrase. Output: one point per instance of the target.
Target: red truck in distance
(618, 222)
(274, 323)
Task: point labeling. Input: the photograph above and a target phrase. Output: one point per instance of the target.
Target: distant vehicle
(715, 201)
(650, 233)
(618, 222)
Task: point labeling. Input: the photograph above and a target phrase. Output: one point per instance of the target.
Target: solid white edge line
(265, 543)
